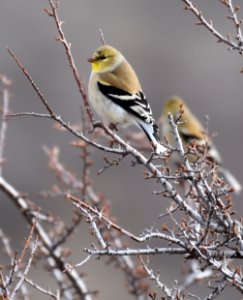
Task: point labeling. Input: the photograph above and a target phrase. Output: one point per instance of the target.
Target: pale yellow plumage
(189, 126)
(123, 77)
(116, 94)
(191, 130)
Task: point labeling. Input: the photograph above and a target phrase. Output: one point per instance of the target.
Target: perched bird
(192, 131)
(116, 94)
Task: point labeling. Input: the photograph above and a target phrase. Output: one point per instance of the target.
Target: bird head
(105, 59)
(173, 106)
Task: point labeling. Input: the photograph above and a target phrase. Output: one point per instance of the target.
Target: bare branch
(102, 37)
(42, 290)
(217, 291)
(78, 203)
(237, 22)
(136, 252)
(67, 47)
(168, 292)
(4, 126)
(54, 256)
(27, 268)
(202, 21)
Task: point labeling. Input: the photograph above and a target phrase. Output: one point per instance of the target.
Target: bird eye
(102, 57)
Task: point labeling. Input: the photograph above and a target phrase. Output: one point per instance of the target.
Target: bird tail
(231, 180)
(151, 132)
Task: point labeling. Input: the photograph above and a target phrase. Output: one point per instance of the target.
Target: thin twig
(54, 256)
(42, 290)
(27, 268)
(202, 21)
(4, 126)
(168, 292)
(217, 291)
(237, 22)
(110, 224)
(102, 37)
(67, 47)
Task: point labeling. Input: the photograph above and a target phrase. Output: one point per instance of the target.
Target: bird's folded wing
(135, 104)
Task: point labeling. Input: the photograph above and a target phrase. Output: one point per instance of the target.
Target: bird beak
(92, 60)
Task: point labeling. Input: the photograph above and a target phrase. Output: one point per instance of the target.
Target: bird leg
(95, 125)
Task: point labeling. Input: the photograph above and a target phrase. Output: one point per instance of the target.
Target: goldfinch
(191, 130)
(116, 95)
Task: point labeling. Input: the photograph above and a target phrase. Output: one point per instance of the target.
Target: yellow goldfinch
(116, 94)
(191, 130)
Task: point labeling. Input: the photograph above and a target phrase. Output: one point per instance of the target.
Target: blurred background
(170, 54)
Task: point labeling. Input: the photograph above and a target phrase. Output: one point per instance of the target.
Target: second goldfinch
(191, 130)
(117, 96)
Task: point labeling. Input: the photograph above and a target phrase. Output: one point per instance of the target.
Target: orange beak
(91, 60)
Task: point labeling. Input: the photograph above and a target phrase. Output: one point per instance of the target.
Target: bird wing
(133, 103)
(189, 137)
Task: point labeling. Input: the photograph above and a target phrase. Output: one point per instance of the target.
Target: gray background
(170, 54)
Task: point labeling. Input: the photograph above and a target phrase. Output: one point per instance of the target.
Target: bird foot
(95, 125)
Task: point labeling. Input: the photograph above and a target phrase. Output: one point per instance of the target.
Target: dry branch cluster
(199, 224)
